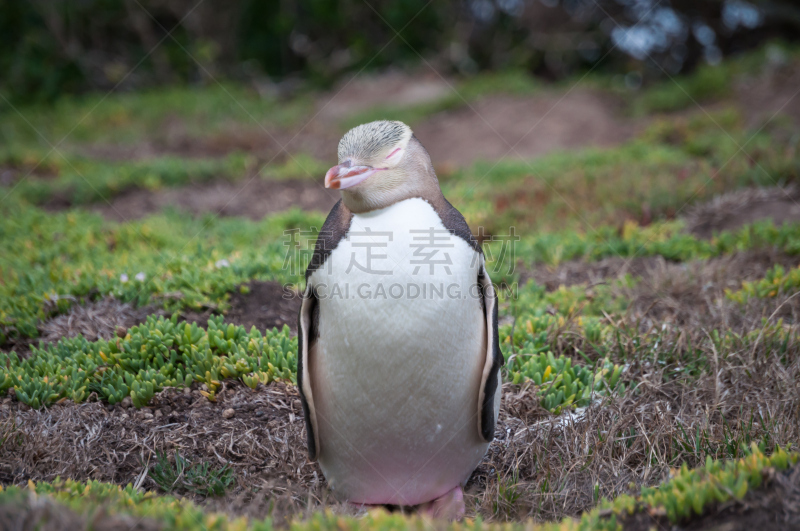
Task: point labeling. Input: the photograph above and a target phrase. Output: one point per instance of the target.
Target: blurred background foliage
(54, 47)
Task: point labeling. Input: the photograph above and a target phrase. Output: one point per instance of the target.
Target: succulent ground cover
(651, 337)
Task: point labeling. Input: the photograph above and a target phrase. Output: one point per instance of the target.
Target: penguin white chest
(397, 367)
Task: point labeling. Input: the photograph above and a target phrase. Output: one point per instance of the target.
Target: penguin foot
(449, 507)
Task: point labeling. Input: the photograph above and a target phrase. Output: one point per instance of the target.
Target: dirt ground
(253, 198)
(100, 319)
(734, 210)
(523, 127)
(484, 129)
(266, 305)
(260, 435)
(575, 272)
(724, 272)
(393, 88)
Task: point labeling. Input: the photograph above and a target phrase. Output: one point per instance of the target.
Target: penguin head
(381, 163)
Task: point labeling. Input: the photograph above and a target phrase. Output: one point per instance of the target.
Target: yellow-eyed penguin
(399, 360)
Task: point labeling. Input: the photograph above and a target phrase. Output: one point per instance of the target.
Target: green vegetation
(560, 384)
(127, 118)
(164, 353)
(704, 84)
(710, 83)
(81, 180)
(776, 281)
(160, 353)
(179, 475)
(674, 164)
(659, 239)
(676, 367)
(51, 261)
(54, 260)
(687, 493)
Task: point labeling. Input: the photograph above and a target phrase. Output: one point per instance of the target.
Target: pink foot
(449, 506)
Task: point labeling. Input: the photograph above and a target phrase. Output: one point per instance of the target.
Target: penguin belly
(395, 374)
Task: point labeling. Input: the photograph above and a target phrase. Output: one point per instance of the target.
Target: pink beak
(340, 177)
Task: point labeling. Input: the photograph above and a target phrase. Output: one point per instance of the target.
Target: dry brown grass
(734, 210)
(264, 444)
(694, 397)
(96, 320)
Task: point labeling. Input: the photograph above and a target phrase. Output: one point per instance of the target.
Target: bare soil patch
(9, 175)
(696, 277)
(395, 88)
(484, 129)
(736, 209)
(177, 139)
(533, 125)
(263, 304)
(579, 272)
(254, 199)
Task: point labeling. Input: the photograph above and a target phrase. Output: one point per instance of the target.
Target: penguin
(398, 352)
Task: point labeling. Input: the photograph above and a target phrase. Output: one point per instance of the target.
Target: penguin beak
(340, 177)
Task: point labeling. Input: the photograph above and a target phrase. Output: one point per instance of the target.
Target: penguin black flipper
(454, 221)
(333, 230)
(490, 380)
(306, 327)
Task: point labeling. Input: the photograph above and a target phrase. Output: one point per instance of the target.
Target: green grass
(55, 260)
(162, 353)
(51, 261)
(676, 163)
(708, 83)
(180, 475)
(127, 118)
(704, 84)
(78, 180)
